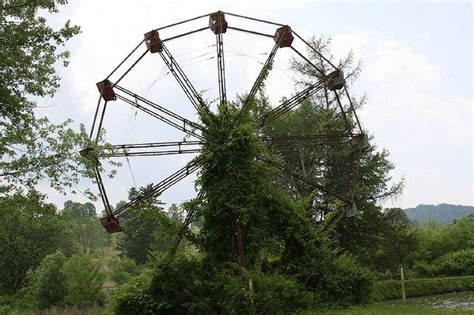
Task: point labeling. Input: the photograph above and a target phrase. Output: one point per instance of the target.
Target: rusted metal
(125, 59)
(111, 224)
(287, 105)
(153, 41)
(184, 34)
(335, 80)
(253, 19)
(248, 31)
(217, 22)
(157, 189)
(106, 90)
(283, 36)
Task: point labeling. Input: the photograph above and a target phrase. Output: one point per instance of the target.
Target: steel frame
(193, 129)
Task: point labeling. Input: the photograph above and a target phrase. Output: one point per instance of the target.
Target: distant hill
(443, 213)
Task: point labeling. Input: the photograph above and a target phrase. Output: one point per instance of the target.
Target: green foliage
(133, 297)
(457, 263)
(32, 148)
(47, 284)
(84, 281)
(185, 284)
(123, 269)
(88, 235)
(390, 289)
(445, 249)
(30, 229)
(150, 227)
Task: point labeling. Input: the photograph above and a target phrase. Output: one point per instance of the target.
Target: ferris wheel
(331, 82)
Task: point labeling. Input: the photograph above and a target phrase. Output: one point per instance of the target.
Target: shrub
(123, 269)
(188, 284)
(390, 290)
(458, 263)
(47, 284)
(133, 297)
(84, 281)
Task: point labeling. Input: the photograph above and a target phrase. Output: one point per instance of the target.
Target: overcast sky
(417, 74)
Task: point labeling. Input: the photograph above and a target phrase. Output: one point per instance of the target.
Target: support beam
(160, 112)
(187, 221)
(151, 149)
(157, 189)
(221, 68)
(306, 140)
(308, 182)
(287, 105)
(183, 81)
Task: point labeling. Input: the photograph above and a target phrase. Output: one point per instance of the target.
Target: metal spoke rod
(221, 68)
(183, 80)
(160, 108)
(310, 183)
(155, 144)
(102, 192)
(157, 189)
(182, 125)
(298, 140)
(187, 221)
(151, 153)
(287, 105)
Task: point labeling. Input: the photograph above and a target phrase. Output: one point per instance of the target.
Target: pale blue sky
(417, 74)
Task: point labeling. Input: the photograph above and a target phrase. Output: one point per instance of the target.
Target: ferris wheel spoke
(151, 149)
(287, 105)
(303, 179)
(348, 124)
(305, 140)
(218, 25)
(189, 217)
(163, 114)
(353, 109)
(111, 222)
(194, 97)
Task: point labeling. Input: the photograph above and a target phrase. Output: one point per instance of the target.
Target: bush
(133, 297)
(390, 290)
(123, 269)
(188, 284)
(84, 281)
(458, 263)
(47, 284)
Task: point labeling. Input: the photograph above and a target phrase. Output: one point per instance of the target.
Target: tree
(148, 227)
(87, 233)
(78, 209)
(84, 281)
(365, 179)
(176, 213)
(30, 229)
(32, 148)
(47, 284)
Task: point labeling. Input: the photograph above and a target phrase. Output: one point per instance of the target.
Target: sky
(417, 74)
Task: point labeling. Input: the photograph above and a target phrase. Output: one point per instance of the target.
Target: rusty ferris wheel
(333, 82)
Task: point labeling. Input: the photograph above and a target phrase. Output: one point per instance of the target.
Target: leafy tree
(78, 209)
(47, 284)
(30, 229)
(87, 232)
(84, 281)
(149, 229)
(175, 213)
(31, 147)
